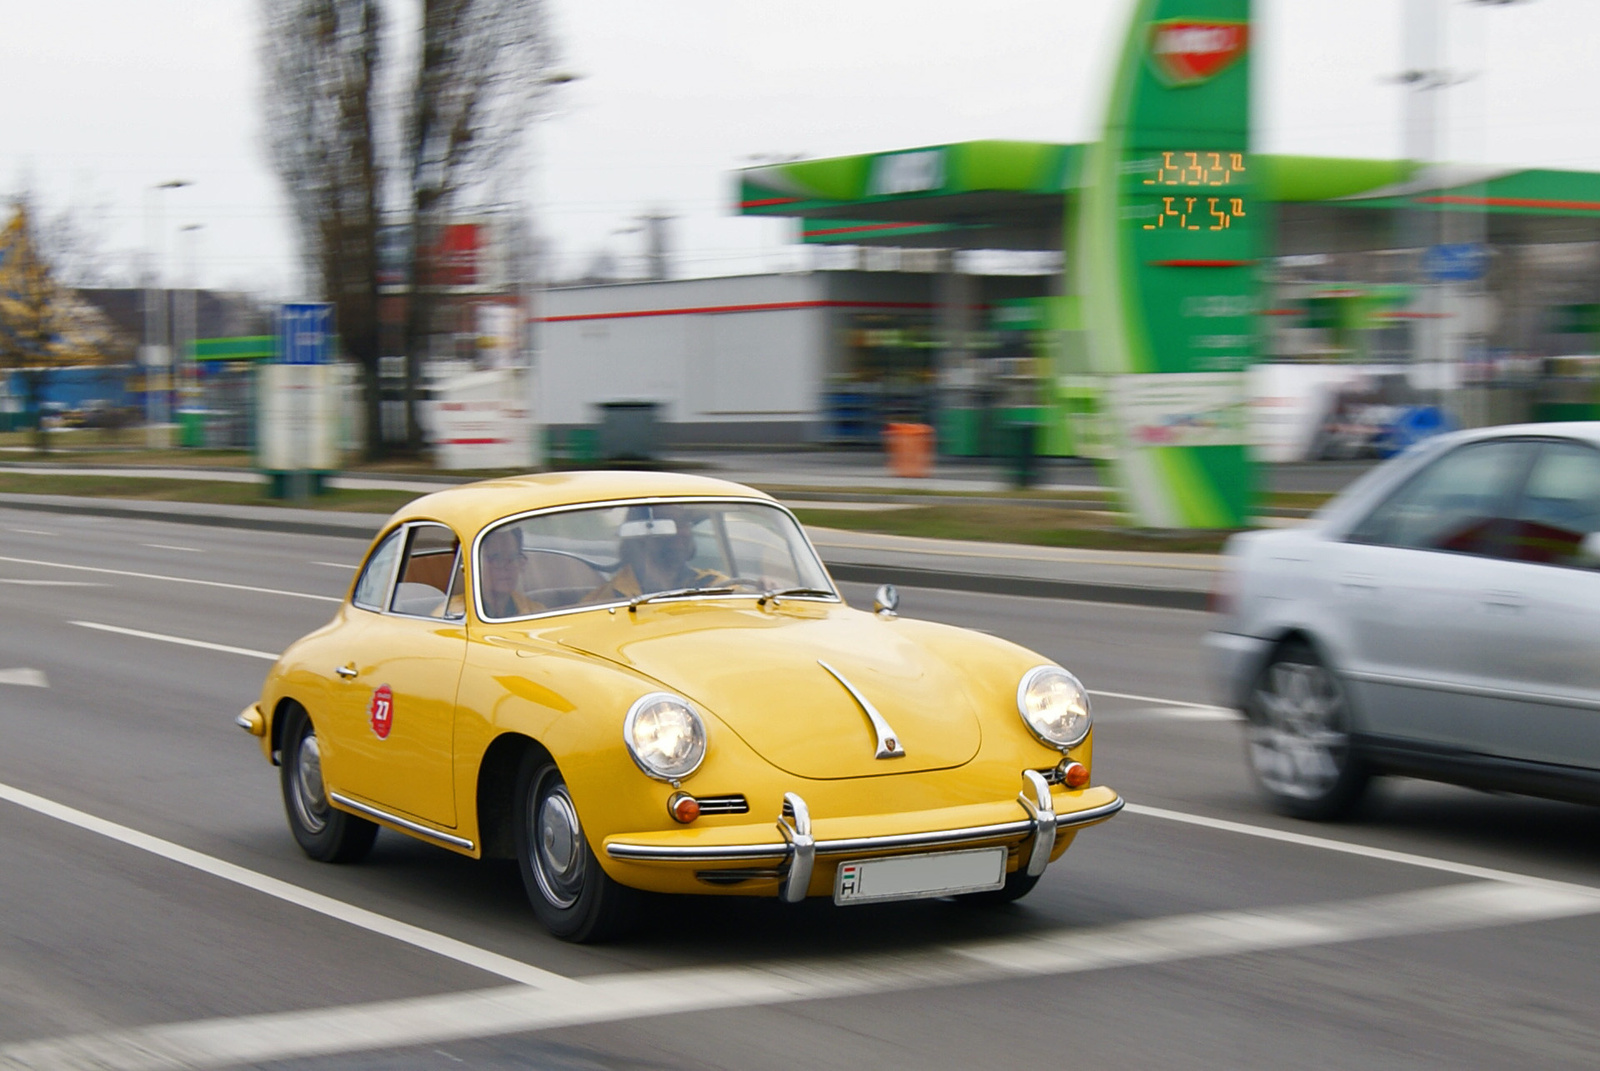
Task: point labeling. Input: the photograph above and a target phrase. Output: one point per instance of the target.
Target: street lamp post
(157, 355)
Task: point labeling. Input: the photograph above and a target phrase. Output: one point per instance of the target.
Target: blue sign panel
(305, 333)
(1457, 263)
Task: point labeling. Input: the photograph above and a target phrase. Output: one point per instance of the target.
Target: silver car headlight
(1054, 705)
(665, 736)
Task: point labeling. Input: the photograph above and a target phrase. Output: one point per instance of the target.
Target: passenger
(501, 559)
(655, 546)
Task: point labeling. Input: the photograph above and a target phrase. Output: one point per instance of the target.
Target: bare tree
(483, 73)
(321, 64)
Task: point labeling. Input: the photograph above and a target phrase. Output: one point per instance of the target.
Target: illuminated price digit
(1237, 161)
(1216, 169)
(1238, 207)
(1220, 215)
(1194, 166)
(1187, 208)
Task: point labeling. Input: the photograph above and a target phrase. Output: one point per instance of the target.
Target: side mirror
(887, 600)
(1589, 551)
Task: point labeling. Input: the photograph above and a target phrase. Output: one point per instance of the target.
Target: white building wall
(710, 351)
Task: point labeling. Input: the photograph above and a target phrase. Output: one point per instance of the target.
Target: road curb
(853, 572)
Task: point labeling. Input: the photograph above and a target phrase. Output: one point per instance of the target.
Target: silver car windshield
(617, 553)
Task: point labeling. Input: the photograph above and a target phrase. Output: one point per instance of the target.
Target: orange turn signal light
(683, 807)
(1075, 775)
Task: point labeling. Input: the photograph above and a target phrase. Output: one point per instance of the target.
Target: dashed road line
(169, 546)
(172, 579)
(182, 641)
(26, 678)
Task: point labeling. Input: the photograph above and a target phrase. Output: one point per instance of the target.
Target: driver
(655, 545)
(501, 586)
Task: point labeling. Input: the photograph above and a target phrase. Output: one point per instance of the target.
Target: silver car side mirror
(886, 601)
(1589, 551)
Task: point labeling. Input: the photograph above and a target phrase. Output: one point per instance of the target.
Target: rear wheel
(1299, 740)
(571, 894)
(325, 834)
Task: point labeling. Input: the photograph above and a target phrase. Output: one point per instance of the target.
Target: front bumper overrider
(795, 855)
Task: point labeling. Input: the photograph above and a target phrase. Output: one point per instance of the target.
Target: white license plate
(917, 877)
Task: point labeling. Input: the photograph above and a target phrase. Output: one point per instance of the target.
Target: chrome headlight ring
(665, 736)
(1054, 705)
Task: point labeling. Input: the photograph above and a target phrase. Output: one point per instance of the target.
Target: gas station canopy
(1014, 194)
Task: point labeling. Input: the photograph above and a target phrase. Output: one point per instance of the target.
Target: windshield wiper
(781, 593)
(675, 593)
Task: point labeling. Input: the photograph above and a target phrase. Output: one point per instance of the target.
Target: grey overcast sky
(106, 98)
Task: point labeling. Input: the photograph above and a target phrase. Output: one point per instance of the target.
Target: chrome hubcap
(310, 801)
(558, 852)
(1300, 745)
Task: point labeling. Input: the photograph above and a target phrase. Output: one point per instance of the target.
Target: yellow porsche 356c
(636, 681)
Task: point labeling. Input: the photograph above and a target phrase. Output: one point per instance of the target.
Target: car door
(398, 668)
(1418, 605)
(1545, 654)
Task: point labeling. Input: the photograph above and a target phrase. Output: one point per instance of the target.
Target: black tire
(1019, 883)
(1299, 740)
(324, 833)
(570, 893)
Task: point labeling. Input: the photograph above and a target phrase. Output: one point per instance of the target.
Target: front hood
(759, 672)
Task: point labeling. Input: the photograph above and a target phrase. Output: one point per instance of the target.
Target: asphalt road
(155, 913)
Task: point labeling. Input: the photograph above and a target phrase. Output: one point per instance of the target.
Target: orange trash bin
(909, 448)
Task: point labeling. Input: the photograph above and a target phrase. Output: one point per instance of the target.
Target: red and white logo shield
(1186, 52)
(381, 711)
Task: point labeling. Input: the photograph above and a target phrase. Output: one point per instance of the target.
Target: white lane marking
(30, 531)
(335, 565)
(27, 678)
(172, 579)
(260, 1039)
(54, 583)
(182, 640)
(1193, 713)
(1156, 700)
(416, 936)
(1305, 840)
(169, 546)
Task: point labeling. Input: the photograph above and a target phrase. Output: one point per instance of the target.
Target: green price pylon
(1167, 244)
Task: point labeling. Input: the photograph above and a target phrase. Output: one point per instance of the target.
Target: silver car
(1439, 619)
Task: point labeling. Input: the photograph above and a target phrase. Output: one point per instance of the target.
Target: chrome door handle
(348, 671)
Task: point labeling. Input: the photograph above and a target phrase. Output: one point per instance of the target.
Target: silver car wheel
(309, 797)
(558, 853)
(1300, 745)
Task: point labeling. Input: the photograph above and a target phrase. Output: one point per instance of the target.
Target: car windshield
(620, 553)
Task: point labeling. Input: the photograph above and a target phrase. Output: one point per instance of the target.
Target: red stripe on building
(708, 310)
(769, 201)
(473, 442)
(1202, 263)
(1511, 202)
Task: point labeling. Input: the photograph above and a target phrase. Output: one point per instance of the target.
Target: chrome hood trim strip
(853, 845)
(888, 743)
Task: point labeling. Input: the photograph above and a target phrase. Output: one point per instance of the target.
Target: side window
(1560, 505)
(425, 572)
(1458, 503)
(372, 590)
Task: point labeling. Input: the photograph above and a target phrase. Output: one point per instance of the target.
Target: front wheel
(1298, 738)
(325, 834)
(574, 898)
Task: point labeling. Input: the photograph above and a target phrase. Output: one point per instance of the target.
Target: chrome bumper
(800, 849)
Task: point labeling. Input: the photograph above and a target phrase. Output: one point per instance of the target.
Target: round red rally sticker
(382, 711)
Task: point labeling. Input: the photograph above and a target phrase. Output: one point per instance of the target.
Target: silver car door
(1407, 584)
(1545, 657)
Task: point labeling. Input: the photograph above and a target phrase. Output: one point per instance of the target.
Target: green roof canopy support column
(1168, 242)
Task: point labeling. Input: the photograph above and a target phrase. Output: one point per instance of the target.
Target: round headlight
(665, 736)
(1054, 706)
